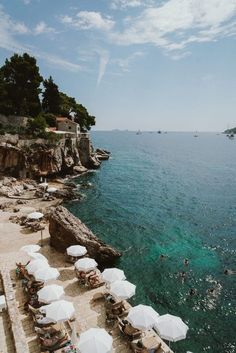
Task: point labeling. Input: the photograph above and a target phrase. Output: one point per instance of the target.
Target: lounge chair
(127, 330)
(52, 344)
(51, 332)
(93, 281)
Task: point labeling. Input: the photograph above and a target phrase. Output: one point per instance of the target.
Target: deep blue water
(171, 194)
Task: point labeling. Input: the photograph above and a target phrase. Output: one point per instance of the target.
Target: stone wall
(13, 120)
(21, 345)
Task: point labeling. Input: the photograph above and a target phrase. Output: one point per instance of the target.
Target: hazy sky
(135, 64)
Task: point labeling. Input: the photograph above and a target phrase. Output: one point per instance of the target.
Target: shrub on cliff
(37, 126)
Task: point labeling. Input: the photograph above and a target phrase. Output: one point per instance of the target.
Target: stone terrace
(88, 313)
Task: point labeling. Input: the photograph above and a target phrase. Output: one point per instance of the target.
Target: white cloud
(42, 28)
(89, 20)
(176, 23)
(124, 63)
(124, 4)
(8, 30)
(58, 62)
(26, 2)
(103, 61)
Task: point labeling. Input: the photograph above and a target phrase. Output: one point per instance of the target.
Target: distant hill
(230, 131)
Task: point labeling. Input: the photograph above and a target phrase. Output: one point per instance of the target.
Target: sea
(171, 194)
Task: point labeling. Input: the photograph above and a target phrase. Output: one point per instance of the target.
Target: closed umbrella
(86, 264)
(76, 250)
(95, 340)
(30, 248)
(50, 293)
(171, 328)
(142, 317)
(59, 311)
(37, 256)
(122, 289)
(46, 274)
(113, 274)
(36, 265)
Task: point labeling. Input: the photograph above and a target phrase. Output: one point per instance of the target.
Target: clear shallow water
(171, 194)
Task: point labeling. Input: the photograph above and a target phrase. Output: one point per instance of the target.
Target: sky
(135, 64)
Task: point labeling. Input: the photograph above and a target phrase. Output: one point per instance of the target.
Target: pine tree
(51, 97)
(21, 80)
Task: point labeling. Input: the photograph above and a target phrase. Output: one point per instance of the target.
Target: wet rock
(65, 230)
(79, 169)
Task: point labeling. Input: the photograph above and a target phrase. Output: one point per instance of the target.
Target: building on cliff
(65, 125)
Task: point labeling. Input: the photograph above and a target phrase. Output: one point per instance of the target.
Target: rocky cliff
(33, 158)
(65, 230)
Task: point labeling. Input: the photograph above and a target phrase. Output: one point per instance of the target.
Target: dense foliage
(20, 90)
(51, 97)
(20, 80)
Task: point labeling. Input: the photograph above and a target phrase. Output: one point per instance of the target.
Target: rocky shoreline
(34, 158)
(21, 196)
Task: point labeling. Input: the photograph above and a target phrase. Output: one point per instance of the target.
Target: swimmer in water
(183, 276)
(163, 257)
(186, 262)
(229, 272)
(192, 292)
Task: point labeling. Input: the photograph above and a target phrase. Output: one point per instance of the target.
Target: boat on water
(231, 136)
(159, 131)
(138, 132)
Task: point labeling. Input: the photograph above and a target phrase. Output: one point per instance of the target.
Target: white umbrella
(76, 250)
(142, 317)
(51, 189)
(35, 215)
(30, 248)
(85, 264)
(59, 311)
(122, 289)
(95, 340)
(50, 293)
(36, 265)
(37, 256)
(113, 274)
(171, 328)
(46, 274)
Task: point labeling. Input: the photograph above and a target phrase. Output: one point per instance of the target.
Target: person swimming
(229, 272)
(186, 262)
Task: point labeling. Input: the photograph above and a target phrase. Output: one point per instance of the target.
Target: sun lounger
(127, 330)
(52, 344)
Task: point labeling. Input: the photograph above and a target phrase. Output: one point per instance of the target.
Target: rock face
(65, 230)
(33, 158)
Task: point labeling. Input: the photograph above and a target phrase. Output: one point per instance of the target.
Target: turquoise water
(171, 194)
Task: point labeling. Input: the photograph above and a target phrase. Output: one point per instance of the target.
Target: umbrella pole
(41, 237)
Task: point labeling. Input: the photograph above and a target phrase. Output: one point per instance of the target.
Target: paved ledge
(21, 345)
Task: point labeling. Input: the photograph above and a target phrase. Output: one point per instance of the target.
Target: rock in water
(65, 230)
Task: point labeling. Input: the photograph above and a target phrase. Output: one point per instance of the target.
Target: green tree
(22, 80)
(70, 107)
(83, 118)
(4, 101)
(67, 104)
(51, 97)
(37, 126)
